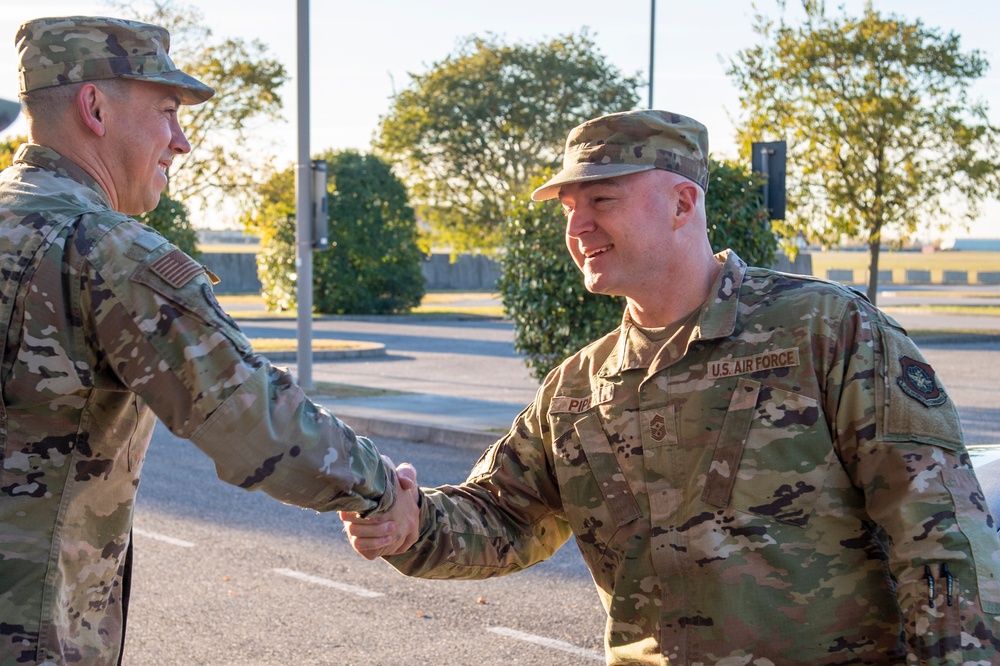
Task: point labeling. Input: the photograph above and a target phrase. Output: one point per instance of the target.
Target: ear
(90, 108)
(685, 203)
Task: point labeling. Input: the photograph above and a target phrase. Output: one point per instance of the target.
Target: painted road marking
(326, 582)
(163, 537)
(548, 642)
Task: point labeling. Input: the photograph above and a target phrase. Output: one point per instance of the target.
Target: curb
(421, 433)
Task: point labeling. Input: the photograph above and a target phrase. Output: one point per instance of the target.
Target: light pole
(652, 44)
(303, 206)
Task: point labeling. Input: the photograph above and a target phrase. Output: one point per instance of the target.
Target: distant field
(914, 267)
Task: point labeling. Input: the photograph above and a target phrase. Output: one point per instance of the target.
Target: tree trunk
(874, 242)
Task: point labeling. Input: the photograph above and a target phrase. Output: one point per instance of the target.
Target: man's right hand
(394, 531)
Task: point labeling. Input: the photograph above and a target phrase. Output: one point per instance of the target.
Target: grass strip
(343, 391)
(262, 345)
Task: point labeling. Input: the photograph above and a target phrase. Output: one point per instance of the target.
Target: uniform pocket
(588, 472)
(772, 456)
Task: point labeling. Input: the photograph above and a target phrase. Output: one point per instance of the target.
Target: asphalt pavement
(456, 380)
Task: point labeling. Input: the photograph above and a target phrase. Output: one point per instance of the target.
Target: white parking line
(326, 582)
(162, 537)
(548, 642)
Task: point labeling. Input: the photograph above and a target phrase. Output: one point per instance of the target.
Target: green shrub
(373, 265)
(734, 207)
(543, 293)
(170, 218)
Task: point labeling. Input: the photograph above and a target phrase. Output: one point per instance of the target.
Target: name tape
(568, 405)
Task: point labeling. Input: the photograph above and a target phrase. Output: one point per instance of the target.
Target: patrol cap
(622, 143)
(60, 50)
(8, 112)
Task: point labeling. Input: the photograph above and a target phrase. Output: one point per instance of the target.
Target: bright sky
(362, 50)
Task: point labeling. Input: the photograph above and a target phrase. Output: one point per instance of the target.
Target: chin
(595, 287)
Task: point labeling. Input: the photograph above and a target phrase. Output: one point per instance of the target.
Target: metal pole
(303, 205)
(764, 153)
(652, 43)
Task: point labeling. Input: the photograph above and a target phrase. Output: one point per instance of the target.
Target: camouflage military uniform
(104, 324)
(783, 481)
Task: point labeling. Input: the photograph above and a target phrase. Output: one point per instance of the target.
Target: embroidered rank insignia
(176, 268)
(918, 381)
(657, 427)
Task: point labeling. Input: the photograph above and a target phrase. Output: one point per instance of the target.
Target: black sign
(769, 159)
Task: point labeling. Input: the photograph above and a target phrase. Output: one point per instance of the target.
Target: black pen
(947, 576)
(930, 584)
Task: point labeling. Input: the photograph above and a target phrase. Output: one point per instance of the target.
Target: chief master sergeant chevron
(104, 324)
(758, 468)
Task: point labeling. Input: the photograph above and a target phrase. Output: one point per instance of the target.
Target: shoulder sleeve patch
(918, 381)
(176, 268)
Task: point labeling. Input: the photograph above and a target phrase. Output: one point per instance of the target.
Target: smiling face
(619, 232)
(144, 138)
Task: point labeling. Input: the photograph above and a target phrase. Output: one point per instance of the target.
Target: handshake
(394, 531)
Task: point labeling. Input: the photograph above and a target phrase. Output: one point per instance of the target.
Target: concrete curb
(423, 433)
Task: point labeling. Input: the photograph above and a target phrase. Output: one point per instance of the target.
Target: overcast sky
(362, 50)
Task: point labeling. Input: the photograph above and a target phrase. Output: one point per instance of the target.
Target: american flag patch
(176, 268)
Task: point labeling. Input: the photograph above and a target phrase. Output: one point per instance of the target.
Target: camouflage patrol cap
(630, 142)
(8, 112)
(60, 50)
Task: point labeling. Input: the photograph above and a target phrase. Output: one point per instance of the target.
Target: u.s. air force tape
(769, 360)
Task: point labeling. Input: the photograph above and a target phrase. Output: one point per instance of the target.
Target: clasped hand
(394, 531)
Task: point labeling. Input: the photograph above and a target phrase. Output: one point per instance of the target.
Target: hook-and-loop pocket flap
(729, 447)
(604, 465)
(974, 520)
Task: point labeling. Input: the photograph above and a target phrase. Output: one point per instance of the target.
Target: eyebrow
(611, 181)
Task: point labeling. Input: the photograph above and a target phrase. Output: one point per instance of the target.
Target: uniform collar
(46, 158)
(716, 319)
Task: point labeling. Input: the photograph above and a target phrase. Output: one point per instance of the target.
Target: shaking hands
(392, 532)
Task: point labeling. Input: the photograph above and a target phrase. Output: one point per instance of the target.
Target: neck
(85, 155)
(678, 296)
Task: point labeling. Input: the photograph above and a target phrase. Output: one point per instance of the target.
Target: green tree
(222, 131)
(543, 293)
(274, 223)
(170, 218)
(471, 133)
(373, 265)
(881, 131)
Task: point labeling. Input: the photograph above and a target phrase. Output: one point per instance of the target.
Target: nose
(178, 142)
(578, 222)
